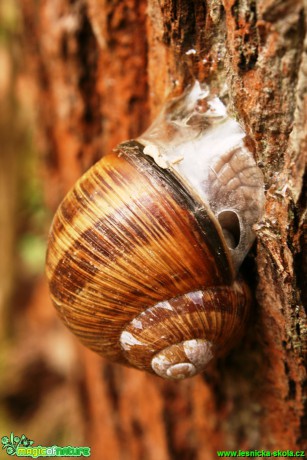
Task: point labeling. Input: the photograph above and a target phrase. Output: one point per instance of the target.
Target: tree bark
(102, 71)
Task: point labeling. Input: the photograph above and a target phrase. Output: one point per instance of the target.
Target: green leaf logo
(11, 444)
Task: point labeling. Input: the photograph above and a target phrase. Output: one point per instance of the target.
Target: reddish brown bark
(102, 70)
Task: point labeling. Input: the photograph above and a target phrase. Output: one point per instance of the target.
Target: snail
(144, 251)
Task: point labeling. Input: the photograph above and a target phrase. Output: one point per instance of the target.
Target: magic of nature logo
(21, 446)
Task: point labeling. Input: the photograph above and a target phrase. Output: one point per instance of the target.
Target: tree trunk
(102, 71)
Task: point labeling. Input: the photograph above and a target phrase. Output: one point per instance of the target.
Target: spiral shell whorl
(178, 337)
(182, 360)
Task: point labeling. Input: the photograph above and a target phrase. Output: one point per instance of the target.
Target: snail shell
(142, 260)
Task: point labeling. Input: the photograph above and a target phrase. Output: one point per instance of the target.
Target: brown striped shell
(140, 271)
(144, 251)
